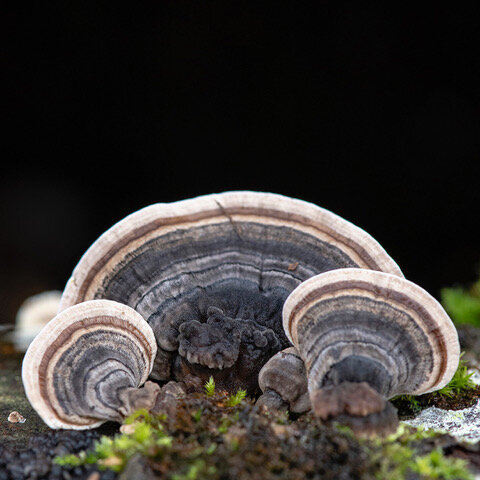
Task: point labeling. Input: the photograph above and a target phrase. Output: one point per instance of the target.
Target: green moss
(197, 415)
(407, 403)
(397, 458)
(226, 421)
(436, 465)
(143, 434)
(461, 381)
(72, 460)
(236, 398)
(406, 435)
(463, 304)
(209, 387)
(197, 470)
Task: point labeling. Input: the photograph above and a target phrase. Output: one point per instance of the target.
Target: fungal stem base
(134, 399)
(356, 405)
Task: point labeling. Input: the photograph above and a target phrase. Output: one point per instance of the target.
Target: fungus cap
(183, 222)
(79, 368)
(359, 325)
(285, 375)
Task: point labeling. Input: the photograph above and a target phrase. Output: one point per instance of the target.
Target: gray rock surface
(464, 424)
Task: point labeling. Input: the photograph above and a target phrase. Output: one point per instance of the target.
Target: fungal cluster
(263, 292)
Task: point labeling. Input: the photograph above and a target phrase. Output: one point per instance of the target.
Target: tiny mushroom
(283, 381)
(210, 276)
(367, 336)
(87, 364)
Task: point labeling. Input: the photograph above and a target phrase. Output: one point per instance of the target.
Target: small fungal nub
(357, 399)
(16, 417)
(356, 405)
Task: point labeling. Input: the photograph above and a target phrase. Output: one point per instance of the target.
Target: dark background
(371, 111)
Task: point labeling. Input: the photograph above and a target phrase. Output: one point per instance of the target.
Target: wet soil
(12, 398)
(456, 402)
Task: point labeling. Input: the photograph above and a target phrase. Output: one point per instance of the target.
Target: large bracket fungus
(87, 364)
(197, 288)
(210, 276)
(366, 336)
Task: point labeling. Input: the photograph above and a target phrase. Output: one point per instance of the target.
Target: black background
(369, 110)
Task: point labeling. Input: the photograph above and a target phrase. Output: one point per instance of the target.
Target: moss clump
(143, 434)
(463, 304)
(460, 383)
(398, 459)
(236, 398)
(399, 462)
(436, 465)
(209, 387)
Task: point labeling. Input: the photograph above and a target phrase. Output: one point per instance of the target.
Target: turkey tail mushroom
(283, 381)
(87, 364)
(367, 336)
(210, 276)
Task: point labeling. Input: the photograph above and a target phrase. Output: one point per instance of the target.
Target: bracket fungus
(210, 276)
(86, 366)
(283, 381)
(34, 313)
(367, 336)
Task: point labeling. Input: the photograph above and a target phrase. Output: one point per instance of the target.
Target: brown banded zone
(357, 325)
(77, 367)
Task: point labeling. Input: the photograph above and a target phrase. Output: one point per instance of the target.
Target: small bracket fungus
(210, 276)
(34, 313)
(366, 336)
(283, 381)
(87, 364)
